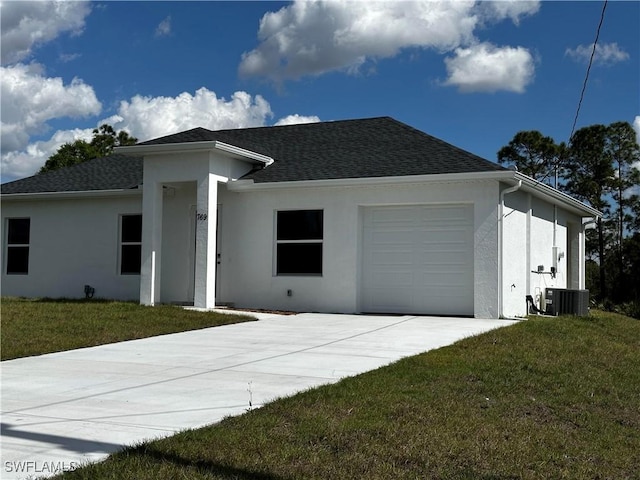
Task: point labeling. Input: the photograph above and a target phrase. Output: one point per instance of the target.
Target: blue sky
(470, 73)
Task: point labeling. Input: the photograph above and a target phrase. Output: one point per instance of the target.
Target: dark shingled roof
(374, 147)
(115, 172)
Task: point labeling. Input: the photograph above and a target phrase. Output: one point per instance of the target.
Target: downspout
(505, 192)
(554, 248)
(555, 224)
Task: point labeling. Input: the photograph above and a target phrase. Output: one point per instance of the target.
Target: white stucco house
(366, 215)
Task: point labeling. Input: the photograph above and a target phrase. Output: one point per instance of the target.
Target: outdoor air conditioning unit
(560, 301)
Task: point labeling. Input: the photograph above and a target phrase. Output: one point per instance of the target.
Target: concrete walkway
(61, 409)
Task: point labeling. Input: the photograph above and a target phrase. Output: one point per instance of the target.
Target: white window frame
(9, 246)
(314, 241)
(122, 244)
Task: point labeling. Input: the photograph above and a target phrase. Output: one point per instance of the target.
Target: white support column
(151, 242)
(206, 216)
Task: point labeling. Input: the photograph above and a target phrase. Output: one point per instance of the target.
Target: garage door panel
(393, 238)
(392, 258)
(418, 259)
(396, 279)
(442, 258)
(436, 215)
(394, 216)
(445, 235)
(395, 300)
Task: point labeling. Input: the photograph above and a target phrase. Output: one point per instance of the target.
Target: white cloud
(29, 100)
(164, 28)
(151, 117)
(311, 38)
(512, 9)
(22, 163)
(606, 54)
(28, 24)
(315, 37)
(145, 118)
(68, 57)
(296, 119)
(487, 68)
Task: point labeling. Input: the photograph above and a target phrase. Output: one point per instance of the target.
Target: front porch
(180, 217)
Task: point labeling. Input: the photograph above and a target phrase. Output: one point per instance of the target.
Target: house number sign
(201, 217)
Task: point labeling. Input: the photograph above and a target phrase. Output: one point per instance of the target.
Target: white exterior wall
(516, 253)
(528, 241)
(178, 229)
(248, 242)
(73, 243)
(164, 216)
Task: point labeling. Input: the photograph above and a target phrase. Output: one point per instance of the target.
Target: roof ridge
(302, 125)
(265, 127)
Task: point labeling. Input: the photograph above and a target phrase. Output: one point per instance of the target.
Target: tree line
(600, 166)
(102, 144)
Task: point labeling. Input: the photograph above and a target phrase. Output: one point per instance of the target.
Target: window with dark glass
(130, 244)
(299, 237)
(18, 238)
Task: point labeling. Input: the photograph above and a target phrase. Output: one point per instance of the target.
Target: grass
(545, 398)
(34, 327)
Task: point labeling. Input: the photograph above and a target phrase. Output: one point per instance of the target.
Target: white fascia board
(129, 192)
(246, 185)
(538, 188)
(556, 196)
(241, 152)
(164, 148)
(190, 147)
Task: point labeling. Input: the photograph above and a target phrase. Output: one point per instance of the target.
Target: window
(130, 244)
(18, 235)
(299, 235)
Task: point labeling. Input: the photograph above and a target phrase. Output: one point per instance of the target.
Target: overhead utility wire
(586, 78)
(584, 87)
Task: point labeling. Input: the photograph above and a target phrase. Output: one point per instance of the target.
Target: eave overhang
(192, 147)
(125, 192)
(555, 196)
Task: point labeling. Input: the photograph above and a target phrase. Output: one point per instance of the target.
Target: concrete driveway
(61, 409)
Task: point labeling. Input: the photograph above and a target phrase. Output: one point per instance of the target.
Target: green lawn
(34, 327)
(545, 398)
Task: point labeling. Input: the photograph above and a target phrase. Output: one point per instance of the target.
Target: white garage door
(418, 259)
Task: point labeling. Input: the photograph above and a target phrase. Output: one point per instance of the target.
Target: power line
(586, 78)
